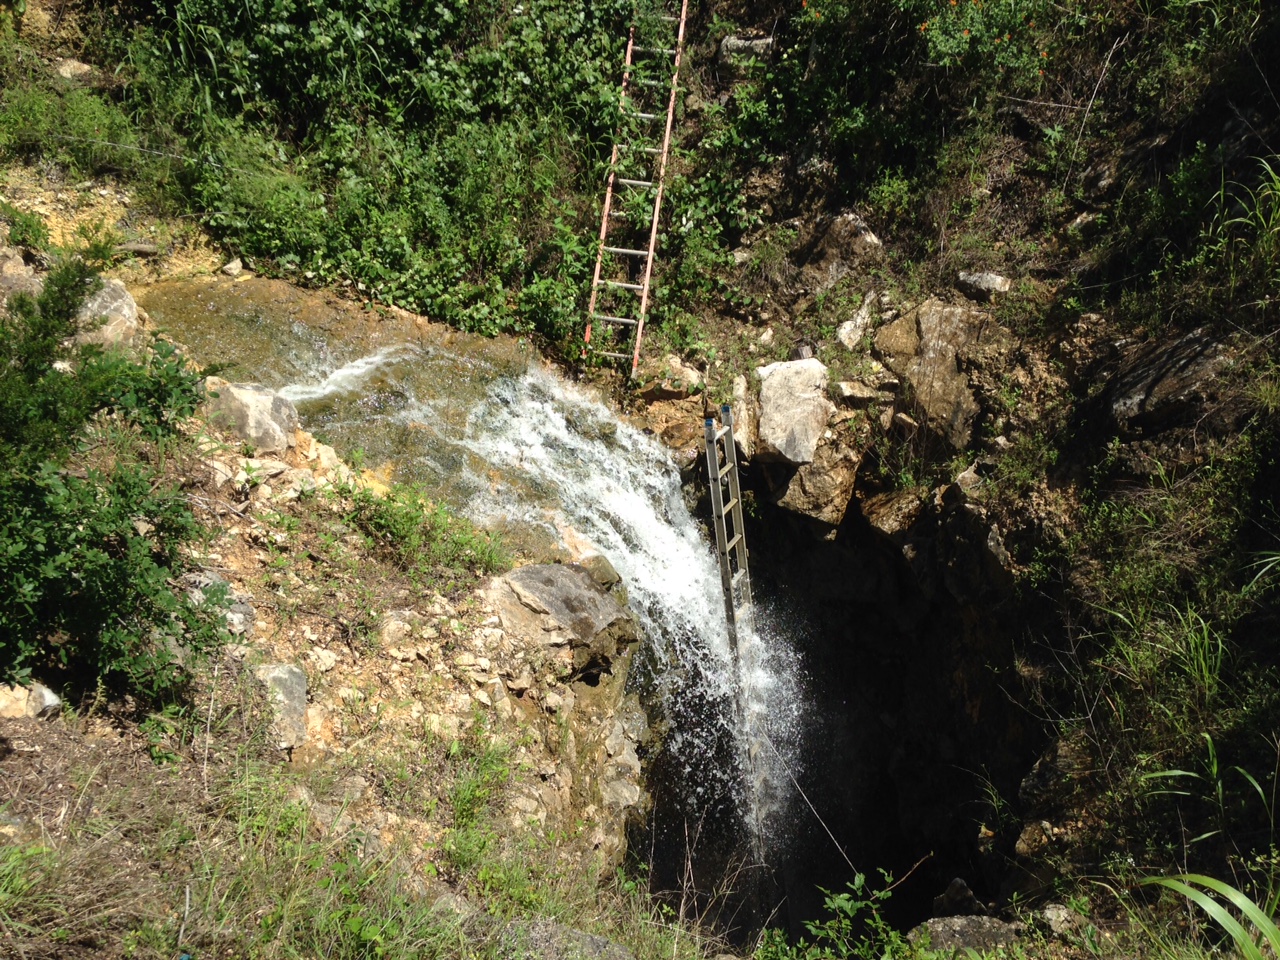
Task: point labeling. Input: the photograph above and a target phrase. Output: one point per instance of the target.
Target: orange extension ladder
(621, 285)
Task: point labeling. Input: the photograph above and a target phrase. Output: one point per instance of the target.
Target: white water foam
(347, 378)
(620, 489)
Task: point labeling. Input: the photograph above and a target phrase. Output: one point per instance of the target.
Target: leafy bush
(90, 534)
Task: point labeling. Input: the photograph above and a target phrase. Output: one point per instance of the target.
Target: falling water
(525, 452)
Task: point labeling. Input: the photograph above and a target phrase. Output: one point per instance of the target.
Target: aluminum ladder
(726, 515)
(621, 284)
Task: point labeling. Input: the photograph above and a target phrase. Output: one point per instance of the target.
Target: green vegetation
(92, 531)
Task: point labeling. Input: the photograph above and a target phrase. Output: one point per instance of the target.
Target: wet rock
(984, 286)
(1166, 385)
(562, 607)
(286, 686)
(548, 940)
(601, 570)
(949, 934)
(924, 347)
(794, 410)
(109, 317)
(254, 413)
(34, 702)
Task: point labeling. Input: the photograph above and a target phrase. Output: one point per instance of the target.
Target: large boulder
(924, 347)
(254, 413)
(562, 608)
(820, 489)
(794, 410)
(109, 317)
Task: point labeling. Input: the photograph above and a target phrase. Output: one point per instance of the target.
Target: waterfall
(534, 451)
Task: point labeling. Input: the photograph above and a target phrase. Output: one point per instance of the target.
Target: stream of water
(519, 449)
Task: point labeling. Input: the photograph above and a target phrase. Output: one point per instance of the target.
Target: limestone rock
(855, 393)
(109, 317)
(745, 420)
(1061, 920)
(794, 410)
(16, 276)
(255, 413)
(984, 286)
(35, 702)
(924, 347)
(948, 934)
(851, 332)
(821, 489)
(287, 688)
(562, 606)
(72, 69)
(1165, 385)
(548, 940)
(233, 268)
(734, 49)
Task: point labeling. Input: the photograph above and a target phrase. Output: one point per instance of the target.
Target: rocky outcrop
(110, 317)
(564, 610)
(254, 413)
(794, 410)
(927, 347)
(672, 379)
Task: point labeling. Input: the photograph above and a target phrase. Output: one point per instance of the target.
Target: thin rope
(800, 790)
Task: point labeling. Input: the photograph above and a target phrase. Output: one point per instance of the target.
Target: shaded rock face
(565, 609)
(255, 413)
(1166, 385)
(927, 347)
(820, 489)
(794, 410)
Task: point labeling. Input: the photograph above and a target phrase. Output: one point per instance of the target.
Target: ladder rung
(632, 147)
(737, 537)
(615, 356)
(721, 432)
(621, 285)
(646, 82)
(669, 19)
(668, 51)
(645, 116)
(730, 505)
(608, 319)
(635, 183)
(623, 251)
(724, 471)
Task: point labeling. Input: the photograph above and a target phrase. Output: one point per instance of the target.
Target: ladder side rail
(735, 494)
(717, 521)
(643, 314)
(608, 197)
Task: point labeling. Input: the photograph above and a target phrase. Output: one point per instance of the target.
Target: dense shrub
(91, 535)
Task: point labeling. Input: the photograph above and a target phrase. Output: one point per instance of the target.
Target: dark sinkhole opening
(913, 746)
